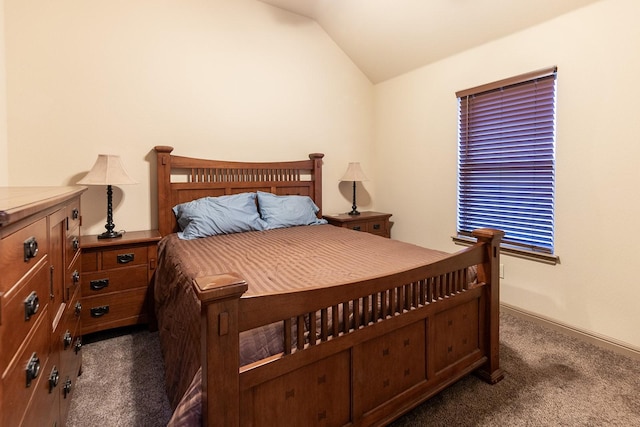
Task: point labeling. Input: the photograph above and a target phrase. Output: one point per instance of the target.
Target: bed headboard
(182, 179)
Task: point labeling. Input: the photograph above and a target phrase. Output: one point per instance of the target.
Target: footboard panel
(316, 394)
(388, 365)
(372, 375)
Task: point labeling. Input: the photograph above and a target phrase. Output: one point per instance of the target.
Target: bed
(311, 324)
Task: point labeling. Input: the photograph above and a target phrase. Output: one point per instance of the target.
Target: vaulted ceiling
(387, 38)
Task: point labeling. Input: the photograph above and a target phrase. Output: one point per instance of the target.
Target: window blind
(506, 164)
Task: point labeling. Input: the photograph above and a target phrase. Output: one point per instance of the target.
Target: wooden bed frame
(426, 328)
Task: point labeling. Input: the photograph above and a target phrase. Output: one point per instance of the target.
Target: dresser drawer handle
(376, 226)
(67, 339)
(31, 305)
(78, 345)
(75, 243)
(96, 285)
(30, 248)
(125, 258)
(75, 277)
(357, 227)
(33, 368)
(99, 311)
(78, 309)
(66, 388)
(54, 378)
(75, 213)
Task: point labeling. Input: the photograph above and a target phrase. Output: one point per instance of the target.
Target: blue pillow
(287, 211)
(210, 216)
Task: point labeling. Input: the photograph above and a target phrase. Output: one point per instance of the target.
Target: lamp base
(110, 235)
(354, 212)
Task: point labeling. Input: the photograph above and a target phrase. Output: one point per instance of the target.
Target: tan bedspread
(271, 262)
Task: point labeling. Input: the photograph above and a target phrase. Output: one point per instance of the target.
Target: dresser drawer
(22, 310)
(114, 310)
(17, 249)
(73, 215)
(69, 342)
(72, 246)
(103, 282)
(66, 335)
(18, 385)
(72, 279)
(43, 408)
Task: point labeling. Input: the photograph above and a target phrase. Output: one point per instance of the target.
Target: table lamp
(108, 170)
(354, 173)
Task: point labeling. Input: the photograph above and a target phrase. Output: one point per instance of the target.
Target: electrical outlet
(502, 271)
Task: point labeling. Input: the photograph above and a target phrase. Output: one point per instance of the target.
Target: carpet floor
(550, 380)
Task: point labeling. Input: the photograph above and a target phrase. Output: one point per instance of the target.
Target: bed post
(163, 165)
(220, 347)
(317, 180)
(489, 272)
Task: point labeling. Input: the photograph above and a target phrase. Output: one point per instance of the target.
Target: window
(506, 163)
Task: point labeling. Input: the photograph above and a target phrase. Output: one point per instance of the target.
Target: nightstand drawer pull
(357, 227)
(125, 258)
(376, 226)
(99, 311)
(96, 285)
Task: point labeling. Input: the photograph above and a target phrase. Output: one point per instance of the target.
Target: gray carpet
(551, 380)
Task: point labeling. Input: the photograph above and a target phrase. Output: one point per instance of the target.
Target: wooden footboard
(362, 353)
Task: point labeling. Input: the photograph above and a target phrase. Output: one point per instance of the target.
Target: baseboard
(602, 341)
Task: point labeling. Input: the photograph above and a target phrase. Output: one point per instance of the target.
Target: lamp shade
(354, 173)
(107, 170)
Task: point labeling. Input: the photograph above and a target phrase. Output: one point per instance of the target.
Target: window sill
(513, 251)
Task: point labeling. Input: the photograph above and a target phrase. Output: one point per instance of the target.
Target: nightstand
(370, 222)
(116, 278)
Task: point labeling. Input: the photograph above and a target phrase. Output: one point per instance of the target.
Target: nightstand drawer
(377, 227)
(114, 310)
(124, 256)
(103, 282)
(357, 226)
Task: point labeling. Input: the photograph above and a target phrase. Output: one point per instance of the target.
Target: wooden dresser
(40, 273)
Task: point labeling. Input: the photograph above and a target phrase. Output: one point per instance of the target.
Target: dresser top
(20, 202)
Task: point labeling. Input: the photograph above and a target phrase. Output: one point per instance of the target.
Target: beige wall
(228, 79)
(594, 288)
(4, 155)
